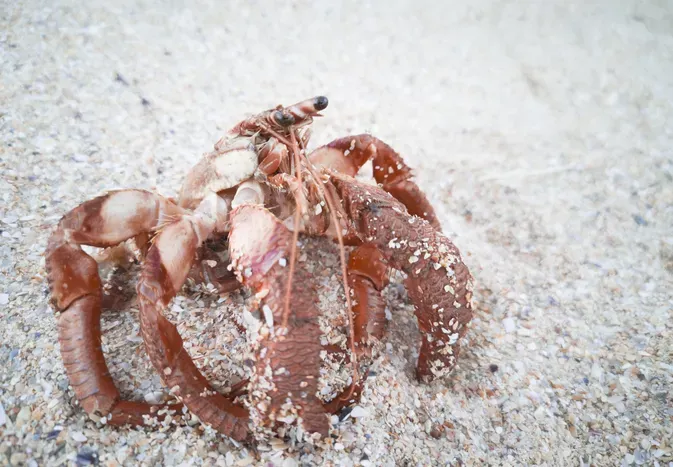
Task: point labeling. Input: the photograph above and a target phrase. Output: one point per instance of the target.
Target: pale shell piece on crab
(254, 245)
(212, 214)
(219, 170)
(249, 192)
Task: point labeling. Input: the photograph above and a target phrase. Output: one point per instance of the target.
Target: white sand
(541, 133)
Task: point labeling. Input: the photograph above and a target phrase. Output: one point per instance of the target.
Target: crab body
(259, 189)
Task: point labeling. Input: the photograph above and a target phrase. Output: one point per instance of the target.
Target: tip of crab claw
(320, 103)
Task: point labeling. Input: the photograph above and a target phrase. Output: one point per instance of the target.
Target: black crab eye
(282, 118)
(320, 103)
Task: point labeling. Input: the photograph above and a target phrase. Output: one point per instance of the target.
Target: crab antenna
(295, 233)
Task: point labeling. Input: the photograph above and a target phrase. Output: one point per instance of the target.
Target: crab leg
(368, 275)
(347, 155)
(77, 293)
(439, 284)
(219, 275)
(285, 381)
(272, 155)
(164, 271)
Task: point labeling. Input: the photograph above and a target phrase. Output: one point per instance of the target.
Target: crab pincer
(285, 381)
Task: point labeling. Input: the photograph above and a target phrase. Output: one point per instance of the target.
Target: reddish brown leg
(77, 294)
(142, 242)
(368, 275)
(439, 284)
(348, 396)
(164, 271)
(347, 155)
(239, 389)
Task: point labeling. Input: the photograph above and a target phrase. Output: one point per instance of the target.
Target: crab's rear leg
(347, 155)
(77, 293)
(164, 272)
(439, 284)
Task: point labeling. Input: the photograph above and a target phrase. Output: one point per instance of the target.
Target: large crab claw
(285, 383)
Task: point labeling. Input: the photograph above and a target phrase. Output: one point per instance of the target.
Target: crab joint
(249, 192)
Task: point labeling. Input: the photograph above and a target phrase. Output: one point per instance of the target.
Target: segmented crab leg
(347, 155)
(368, 275)
(272, 155)
(439, 284)
(285, 379)
(77, 293)
(164, 271)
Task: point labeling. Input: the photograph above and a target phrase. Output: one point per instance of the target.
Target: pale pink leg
(164, 271)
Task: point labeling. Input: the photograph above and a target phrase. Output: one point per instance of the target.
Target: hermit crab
(258, 190)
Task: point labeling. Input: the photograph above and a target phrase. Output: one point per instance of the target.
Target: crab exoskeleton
(259, 189)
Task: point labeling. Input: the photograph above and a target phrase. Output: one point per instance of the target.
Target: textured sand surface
(541, 131)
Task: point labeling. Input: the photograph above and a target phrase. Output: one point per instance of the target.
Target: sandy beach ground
(541, 131)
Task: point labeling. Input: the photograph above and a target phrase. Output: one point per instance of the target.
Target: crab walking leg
(347, 155)
(439, 284)
(368, 275)
(285, 379)
(164, 272)
(77, 293)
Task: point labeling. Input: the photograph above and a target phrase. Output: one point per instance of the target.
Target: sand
(541, 131)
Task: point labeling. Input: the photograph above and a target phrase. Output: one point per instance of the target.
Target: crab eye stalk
(283, 119)
(320, 103)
